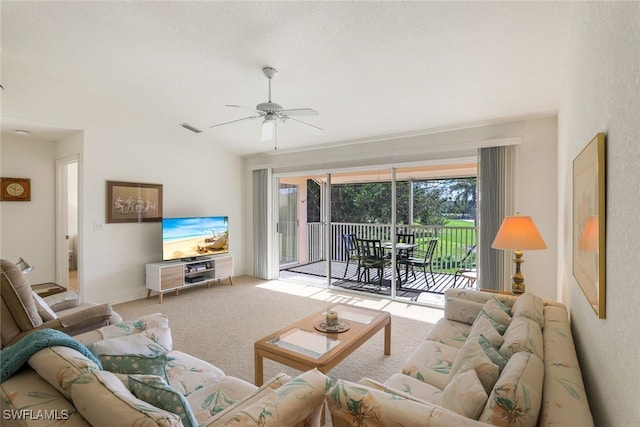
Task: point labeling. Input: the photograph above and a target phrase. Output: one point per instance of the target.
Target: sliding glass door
(288, 223)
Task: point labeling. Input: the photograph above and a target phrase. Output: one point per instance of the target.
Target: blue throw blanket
(13, 357)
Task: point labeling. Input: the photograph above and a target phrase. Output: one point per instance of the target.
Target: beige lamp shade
(520, 233)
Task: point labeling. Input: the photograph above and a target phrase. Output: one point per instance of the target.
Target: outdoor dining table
(400, 248)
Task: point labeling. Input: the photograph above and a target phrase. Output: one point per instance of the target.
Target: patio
(414, 289)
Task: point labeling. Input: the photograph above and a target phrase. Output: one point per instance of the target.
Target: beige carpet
(221, 323)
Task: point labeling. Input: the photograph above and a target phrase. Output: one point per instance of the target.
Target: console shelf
(169, 276)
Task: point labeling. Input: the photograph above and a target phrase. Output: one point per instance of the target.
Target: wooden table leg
(387, 339)
(259, 374)
(148, 293)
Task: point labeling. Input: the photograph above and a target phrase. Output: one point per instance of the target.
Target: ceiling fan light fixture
(268, 127)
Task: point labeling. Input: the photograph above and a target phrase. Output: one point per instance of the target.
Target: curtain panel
(495, 201)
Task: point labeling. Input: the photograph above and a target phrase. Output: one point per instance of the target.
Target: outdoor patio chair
(466, 269)
(351, 249)
(409, 238)
(371, 255)
(423, 262)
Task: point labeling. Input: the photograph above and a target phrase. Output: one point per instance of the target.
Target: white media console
(168, 276)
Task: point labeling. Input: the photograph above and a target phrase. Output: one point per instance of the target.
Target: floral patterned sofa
(127, 374)
(493, 359)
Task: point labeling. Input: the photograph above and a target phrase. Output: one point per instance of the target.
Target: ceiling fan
(271, 112)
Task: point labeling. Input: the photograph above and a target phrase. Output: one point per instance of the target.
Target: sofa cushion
(473, 356)
(229, 413)
(431, 363)
(99, 395)
(522, 334)
(449, 332)
(496, 315)
(410, 386)
(354, 404)
(563, 379)
(155, 390)
(134, 364)
(25, 391)
(289, 405)
(218, 396)
(461, 310)
(483, 326)
(516, 398)
(187, 373)
(134, 326)
(149, 342)
(530, 306)
(465, 394)
(61, 366)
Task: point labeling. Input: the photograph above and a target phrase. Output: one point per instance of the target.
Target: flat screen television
(192, 237)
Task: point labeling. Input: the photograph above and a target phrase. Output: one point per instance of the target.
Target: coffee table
(301, 346)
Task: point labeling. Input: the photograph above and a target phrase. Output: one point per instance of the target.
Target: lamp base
(517, 284)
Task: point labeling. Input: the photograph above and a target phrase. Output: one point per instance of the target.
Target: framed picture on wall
(589, 222)
(133, 202)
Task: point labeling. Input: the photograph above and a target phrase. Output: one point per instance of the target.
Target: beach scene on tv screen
(193, 237)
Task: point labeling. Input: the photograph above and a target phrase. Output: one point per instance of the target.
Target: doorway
(67, 228)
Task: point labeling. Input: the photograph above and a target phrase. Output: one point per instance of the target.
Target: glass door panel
(361, 208)
(288, 223)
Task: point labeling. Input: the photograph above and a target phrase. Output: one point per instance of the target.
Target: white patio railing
(454, 250)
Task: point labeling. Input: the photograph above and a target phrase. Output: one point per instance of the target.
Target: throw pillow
(134, 364)
(104, 401)
(473, 356)
(461, 310)
(517, 396)
(43, 309)
(150, 342)
(483, 326)
(530, 306)
(523, 334)
(500, 319)
(502, 305)
(155, 390)
(465, 394)
(493, 354)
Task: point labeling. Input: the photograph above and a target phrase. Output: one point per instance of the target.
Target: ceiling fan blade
(246, 108)
(299, 112)
(268, 127)
(233, 121)
(314, 130)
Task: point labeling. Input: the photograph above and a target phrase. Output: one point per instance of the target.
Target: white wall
(535, 176)
(602, 94)
(28, 228)
(198, 178)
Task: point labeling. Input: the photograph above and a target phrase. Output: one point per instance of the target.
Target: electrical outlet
(97, 226)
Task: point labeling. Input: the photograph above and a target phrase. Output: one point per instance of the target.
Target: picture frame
(133, 202)
(589, 223)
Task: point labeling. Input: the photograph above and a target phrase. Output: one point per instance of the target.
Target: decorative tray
(341, 327)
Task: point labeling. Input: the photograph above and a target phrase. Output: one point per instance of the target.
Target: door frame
(62, 215)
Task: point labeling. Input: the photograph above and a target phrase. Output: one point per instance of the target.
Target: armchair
(22, 311)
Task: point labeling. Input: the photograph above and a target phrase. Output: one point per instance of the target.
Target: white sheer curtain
(495, 200)
(261, 223)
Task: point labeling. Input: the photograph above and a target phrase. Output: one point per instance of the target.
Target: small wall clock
(15, 189)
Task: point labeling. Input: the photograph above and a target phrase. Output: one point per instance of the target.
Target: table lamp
(518, 232)
(24, 266)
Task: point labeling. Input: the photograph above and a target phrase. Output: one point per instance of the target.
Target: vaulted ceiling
(369, 69)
